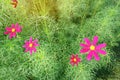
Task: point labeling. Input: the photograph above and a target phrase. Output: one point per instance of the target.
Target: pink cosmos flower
(92, 48)
(31, 45)
(74, 59)
(13, 30)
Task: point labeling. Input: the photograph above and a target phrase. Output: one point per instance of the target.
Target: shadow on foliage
(104, 72)
(107, 71)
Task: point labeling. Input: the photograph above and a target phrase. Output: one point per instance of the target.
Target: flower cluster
(15, 29)
(92, 48)
(12, 32)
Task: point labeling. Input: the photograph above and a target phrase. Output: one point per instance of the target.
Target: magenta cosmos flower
(13, 30)
(31, 45)
(92, 48)
(74, 60)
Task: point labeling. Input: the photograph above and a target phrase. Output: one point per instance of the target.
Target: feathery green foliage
(60, 26)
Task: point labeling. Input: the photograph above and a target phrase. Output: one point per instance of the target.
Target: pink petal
(96, 56)
(12, 26)
(36, 44)
(72, 63)
(83, 45)
(23, 46)
(35, 41)
(76, 64)
(30, 39)
(95, 40)
(72, 56)
(8, 28)
(78, 59)
(10, 36)
(101, 46)
(6, 32)
(30, 52)
(71, 59)
(89, 56)
(84, 50)
(34, 50)
(16, 25)
(76, 55)
(26, 42)
(14, 34)
(18, 29)
(102, 52)
(26, 50)
(87, 41)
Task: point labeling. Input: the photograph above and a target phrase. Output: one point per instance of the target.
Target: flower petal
(87, 41)
(30, 52)
(6, 32)
(83, 45)
(102, 52)
(8, 28)
(16, 25)
(10, 36)
(36, 44)
(72, 63)
(101, 46)
(26, 50)
(14, 34)
(12, 25)
(89, 56)
(34, 49)
(30, 39)
(84, 50)
(76, 64)
(78, 59)
(35, 41)
(95, 40)
(96, 56)
(18, 29)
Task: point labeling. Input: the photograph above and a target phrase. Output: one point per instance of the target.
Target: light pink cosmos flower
(92, 48)
(31, 45)
(13, 30)
(74, 60)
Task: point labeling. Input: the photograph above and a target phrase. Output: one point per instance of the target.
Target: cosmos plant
(91, 47)
(55, 39)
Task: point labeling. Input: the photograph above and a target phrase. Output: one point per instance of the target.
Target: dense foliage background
(60, 26)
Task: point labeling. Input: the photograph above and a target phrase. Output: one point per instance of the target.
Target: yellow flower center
(13, 30)
(30, 45)
(74, 59)
(92, 47)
